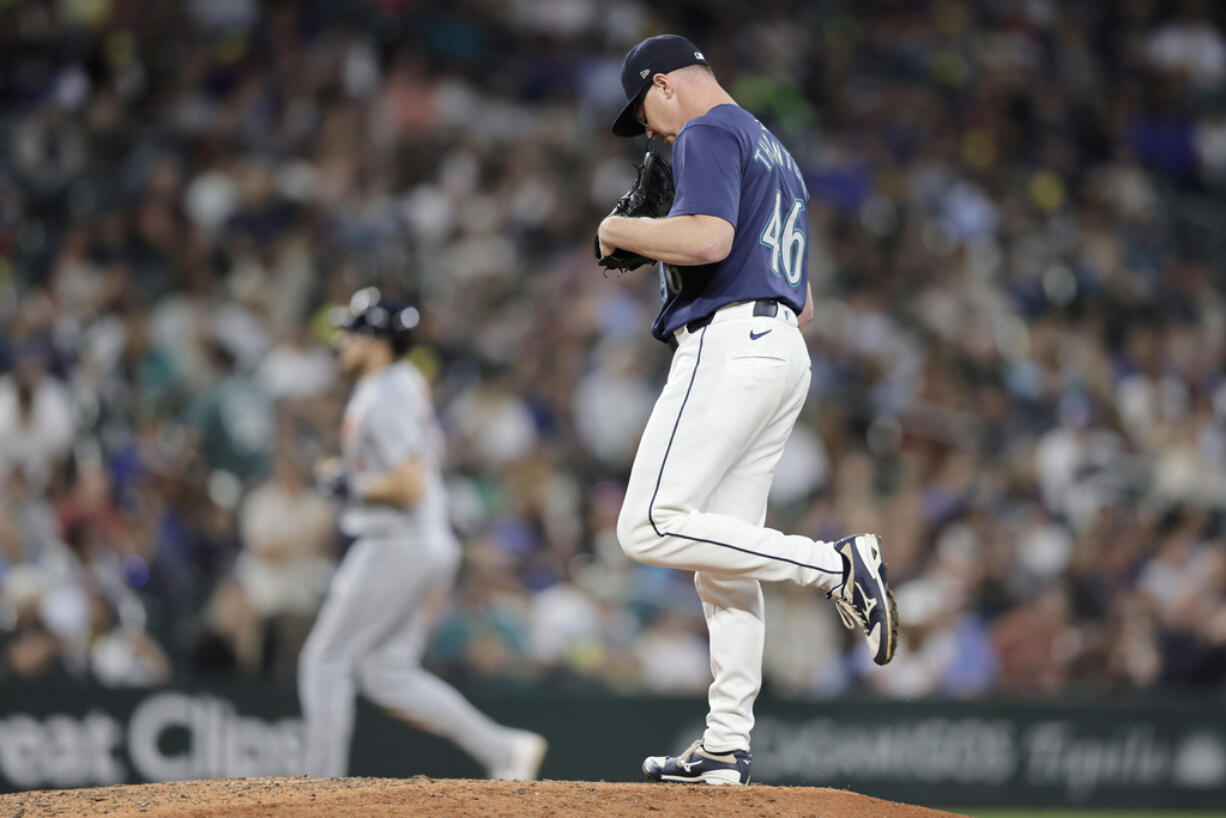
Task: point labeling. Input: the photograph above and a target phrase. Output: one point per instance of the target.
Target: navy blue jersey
(727, 164)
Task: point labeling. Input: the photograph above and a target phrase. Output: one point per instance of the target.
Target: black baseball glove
(650, 196)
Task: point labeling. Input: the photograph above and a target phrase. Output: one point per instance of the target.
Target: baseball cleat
(864, 598)
(524, 762)
(697, 766)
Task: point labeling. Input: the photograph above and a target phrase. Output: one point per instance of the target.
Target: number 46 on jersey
(786, 239)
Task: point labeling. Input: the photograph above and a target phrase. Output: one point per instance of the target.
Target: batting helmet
(369, 313)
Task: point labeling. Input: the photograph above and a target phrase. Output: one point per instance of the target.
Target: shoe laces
(691, 750)
(846, 608)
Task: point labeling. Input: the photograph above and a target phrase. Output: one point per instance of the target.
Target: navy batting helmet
(369, 313)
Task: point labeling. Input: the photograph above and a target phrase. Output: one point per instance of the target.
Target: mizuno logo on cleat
(868, 606)
(689, 765)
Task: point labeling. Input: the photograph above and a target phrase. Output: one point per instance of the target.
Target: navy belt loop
(768, 309)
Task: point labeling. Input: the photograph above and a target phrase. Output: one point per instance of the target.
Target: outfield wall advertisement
(935, 752)
(158, 735)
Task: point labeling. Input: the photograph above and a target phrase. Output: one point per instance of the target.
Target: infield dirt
(369, 797)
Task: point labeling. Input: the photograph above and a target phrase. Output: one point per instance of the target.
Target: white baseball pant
(370, 634)
(698, 489)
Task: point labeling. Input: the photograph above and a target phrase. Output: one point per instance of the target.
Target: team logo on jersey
(644, 73)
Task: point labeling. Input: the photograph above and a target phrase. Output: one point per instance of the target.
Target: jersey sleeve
(707, 172)
(398, 426)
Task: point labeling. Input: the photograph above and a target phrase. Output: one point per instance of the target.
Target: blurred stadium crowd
(1018, 346)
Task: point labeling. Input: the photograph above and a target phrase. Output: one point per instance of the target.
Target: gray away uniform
(374, 623)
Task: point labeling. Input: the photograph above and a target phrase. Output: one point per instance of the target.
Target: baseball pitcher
(373, 625)
(732, 253)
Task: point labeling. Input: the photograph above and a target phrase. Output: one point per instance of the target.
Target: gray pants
(370, 635)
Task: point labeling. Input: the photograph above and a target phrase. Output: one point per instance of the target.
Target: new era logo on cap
(661, 54)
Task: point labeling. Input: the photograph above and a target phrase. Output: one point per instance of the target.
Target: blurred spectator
(797, 617)
(231, 640)
(122, 653)
(485, 638)
(36, 422)
(287, 531)
(672, 654)
(1035, 644)
(234, 420)
(565, 623)
(1016, 233)
(945, 649)
(30, 649)
(612, 403)
(297, 368)
(1190, 46)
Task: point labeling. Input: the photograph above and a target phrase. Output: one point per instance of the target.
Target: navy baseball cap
(655, 55)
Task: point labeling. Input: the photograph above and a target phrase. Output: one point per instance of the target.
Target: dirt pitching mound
(369, 797)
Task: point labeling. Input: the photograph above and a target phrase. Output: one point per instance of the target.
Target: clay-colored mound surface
(369, 797)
